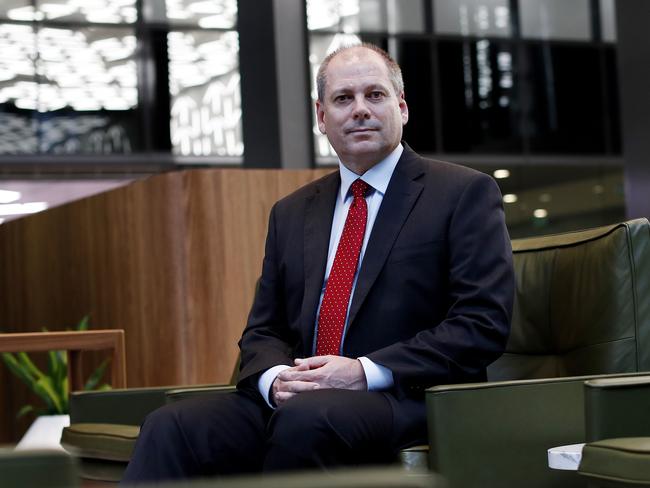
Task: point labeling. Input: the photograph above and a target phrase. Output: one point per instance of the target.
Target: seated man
(384, 278)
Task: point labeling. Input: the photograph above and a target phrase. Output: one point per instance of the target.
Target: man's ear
(403, 108)
(320, 117)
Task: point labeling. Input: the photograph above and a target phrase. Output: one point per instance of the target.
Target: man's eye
(376, 95)
(341, 98)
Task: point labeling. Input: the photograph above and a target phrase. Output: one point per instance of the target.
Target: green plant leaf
(16, 368)
(52, 387)
(29, 366)
(58, 362)
(83, 323)
(46, 391)
(97, 375)
(25, 409)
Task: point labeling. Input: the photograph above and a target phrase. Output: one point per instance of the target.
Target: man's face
(360, 112)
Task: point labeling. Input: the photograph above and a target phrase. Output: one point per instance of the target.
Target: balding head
(394, 71)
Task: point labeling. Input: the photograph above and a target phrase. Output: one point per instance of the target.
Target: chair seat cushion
(624, 461)
(415, 458)
(111, 442)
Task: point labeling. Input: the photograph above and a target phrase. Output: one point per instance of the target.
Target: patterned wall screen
(73, 77)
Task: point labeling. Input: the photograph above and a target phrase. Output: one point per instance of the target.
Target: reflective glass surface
(206, 96)
(86, 69)
(10, 9)
(415, 58)
(354, 16)
(218, 14)
(18, 89)
(544, 199)
(479, 97)
(567, 99)
(100, 11)
(555, 19)
(77, 96)
(612, 107)
(607, 20)
(472, 17)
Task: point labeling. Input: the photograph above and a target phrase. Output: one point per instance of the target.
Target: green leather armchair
(37, 468)
(582, 309)
(578, 313)
(617, 424)
(376, 477)
(54, 469)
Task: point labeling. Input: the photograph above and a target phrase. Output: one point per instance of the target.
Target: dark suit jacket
(434, 295)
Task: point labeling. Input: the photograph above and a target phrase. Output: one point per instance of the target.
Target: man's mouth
(361, 130)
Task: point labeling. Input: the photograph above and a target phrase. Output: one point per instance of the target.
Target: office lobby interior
(144, 143)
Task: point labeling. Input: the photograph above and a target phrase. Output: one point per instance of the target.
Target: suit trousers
(237, 432)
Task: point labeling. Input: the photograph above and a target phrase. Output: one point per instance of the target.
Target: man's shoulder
(438, 169)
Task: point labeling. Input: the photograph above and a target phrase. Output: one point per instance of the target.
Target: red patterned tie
(334, 307)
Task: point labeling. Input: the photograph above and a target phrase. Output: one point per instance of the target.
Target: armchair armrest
(178, 394)
(121, 406)
(617, 407)
(503, 430)
(130, 406)
(617, 462)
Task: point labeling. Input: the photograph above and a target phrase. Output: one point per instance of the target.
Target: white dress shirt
(377, 377)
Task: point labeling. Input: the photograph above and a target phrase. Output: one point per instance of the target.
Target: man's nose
(360, 109)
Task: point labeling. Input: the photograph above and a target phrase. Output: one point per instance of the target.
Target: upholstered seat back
(582, 304)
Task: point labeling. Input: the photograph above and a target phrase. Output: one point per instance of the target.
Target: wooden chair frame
(74, 342)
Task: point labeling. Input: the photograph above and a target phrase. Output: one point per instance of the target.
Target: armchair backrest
(582, 304)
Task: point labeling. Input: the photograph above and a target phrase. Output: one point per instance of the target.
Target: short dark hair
(394, 71)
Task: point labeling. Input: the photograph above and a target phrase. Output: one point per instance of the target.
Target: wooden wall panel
(114, 256)
(228, 215)
(172, 259)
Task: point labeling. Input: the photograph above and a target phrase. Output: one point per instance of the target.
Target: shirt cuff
(266, 380)
(378, 377)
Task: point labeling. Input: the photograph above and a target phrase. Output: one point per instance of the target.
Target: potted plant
(52, 387)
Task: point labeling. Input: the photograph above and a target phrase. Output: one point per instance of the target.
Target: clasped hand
(318, 372)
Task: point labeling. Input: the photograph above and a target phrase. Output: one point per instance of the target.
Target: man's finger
(316, 361)
(290, 375)
(299, 386)
(282, 396)
(300, 365)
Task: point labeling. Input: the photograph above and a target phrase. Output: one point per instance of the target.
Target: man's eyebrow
(339, 91)
(370, 87)
(377, 86)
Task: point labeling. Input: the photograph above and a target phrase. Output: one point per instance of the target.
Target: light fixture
(8, 196)
(545, 197)
(540, 213)
(501, 174)
(509, 198)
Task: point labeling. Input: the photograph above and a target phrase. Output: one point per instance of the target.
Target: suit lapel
(319, 213)
(401, 195)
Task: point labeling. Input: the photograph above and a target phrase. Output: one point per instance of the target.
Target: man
(382, 279)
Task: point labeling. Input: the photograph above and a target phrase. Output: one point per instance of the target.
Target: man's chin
(364, 147)
(365, 153)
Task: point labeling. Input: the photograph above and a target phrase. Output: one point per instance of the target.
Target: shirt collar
(377, 177)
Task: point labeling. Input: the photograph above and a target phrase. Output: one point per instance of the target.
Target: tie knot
(359, 188)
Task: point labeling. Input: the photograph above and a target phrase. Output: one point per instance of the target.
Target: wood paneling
(171, 259)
